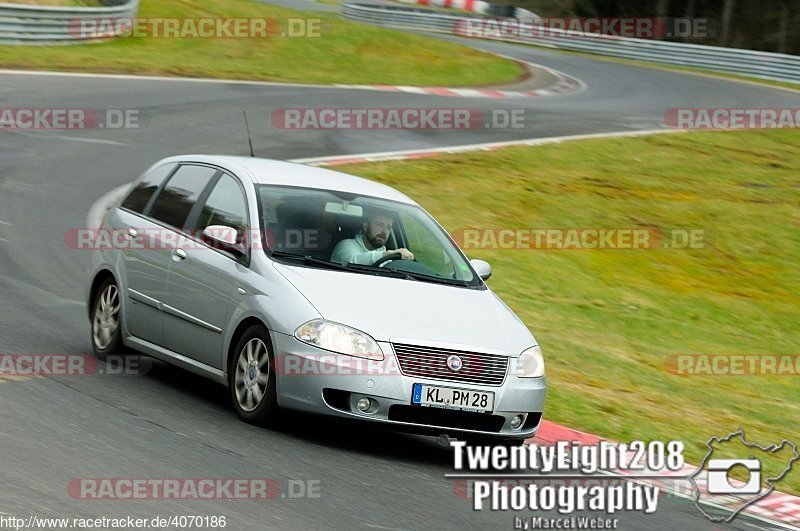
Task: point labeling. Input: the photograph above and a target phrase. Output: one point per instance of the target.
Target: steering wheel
(387, 258)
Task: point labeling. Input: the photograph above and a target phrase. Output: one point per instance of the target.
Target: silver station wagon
(306, 289)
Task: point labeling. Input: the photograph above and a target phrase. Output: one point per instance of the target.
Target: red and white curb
(564, 85)
(339, 160)
(777, 507)
(476, 6)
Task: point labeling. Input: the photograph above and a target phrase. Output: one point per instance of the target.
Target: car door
(154, 238)
(202, 280)
(144, 262)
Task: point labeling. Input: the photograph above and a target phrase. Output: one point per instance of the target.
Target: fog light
(363, 404)
(516, 422)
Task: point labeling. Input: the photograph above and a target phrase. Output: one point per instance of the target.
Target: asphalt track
(168, 423)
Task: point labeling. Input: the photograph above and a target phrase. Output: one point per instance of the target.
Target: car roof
(283, 173)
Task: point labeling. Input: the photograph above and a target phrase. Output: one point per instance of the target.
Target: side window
(139, 197)
(427, 250)
(225, 206)
(176, 199)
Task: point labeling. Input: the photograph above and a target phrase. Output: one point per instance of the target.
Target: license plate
(447, 397)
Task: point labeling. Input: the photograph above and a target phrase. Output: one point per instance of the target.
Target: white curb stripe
(491, 146)
(571, 84)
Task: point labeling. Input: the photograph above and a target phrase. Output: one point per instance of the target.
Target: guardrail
(775, 66)
(29, 24)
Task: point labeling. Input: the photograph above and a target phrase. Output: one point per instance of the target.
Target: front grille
(446, 418)
(429, 362)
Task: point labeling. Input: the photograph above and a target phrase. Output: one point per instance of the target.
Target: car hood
(391, 309)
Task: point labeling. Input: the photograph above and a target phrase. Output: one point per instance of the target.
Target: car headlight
(339, 338)
(531, 363)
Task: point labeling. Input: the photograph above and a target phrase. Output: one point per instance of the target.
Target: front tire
(106, 323)
(251, 378)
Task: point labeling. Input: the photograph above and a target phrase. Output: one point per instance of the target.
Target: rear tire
(251, 378)
(106, 325)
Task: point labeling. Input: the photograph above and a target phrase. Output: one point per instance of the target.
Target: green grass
(59, 3)
(345, 52)
(608, 319)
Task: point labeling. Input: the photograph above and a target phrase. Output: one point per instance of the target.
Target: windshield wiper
(439, 280)
(382, 271)
(356, 268)
(407, 275)
(307, 259)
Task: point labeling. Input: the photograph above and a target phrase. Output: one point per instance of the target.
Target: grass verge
(343, 52)
(608, 320)
(57, 3)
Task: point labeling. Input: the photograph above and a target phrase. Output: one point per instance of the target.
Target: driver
(369, 245)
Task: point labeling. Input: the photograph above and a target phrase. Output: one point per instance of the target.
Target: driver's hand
(405, 253)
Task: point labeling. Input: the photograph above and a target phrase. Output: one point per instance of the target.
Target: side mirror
(224, 238)
(481, 267)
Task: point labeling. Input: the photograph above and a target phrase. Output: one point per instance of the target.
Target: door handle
(180, 254)
(132, 232)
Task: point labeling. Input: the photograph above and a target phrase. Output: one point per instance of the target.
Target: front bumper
(317, 381)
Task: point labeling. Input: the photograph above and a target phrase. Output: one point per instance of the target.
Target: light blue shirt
(353, 251)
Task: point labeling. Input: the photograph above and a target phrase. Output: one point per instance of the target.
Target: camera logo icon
(720, 483)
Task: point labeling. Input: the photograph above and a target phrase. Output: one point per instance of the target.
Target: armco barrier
(775, 66)
(30, 24)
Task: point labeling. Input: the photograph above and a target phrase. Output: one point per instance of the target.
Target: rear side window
(139, 197)
(176, 199)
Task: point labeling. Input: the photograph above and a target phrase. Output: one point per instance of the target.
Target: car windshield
(359, 234)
